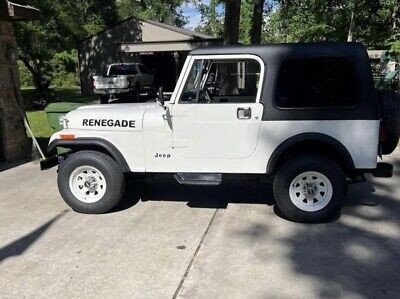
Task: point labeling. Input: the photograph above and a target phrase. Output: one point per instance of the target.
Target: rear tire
(390, 108)
(310, 188)
(90, 182)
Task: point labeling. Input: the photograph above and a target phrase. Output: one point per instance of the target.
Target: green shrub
(24, 75)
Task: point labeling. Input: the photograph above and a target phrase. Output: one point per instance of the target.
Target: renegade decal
(108, 123)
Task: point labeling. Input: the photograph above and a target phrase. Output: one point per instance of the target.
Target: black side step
(205, 179)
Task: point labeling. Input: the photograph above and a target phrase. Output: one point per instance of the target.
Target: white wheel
(87, 184)
(310, 191)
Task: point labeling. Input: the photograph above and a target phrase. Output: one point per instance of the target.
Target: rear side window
(316, 82)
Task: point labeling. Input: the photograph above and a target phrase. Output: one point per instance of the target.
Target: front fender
(84, 143)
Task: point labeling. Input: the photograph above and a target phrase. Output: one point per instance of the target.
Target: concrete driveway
(167, 241)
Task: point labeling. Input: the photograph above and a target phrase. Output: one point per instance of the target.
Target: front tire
(90, 182)
(310, 189)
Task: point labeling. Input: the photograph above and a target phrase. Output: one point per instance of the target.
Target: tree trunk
(395, 17)
(41, 84)
(351, 28)
(256, 24)
(143, 5)
(231, 23)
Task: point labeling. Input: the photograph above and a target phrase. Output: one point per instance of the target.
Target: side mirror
(160, 99)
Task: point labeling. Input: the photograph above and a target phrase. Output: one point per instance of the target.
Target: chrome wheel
(310, 191)
(87, 184)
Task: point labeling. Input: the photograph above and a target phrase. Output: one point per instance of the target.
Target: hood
(111, 117)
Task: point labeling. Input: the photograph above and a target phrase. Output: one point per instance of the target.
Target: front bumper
(49, 162)
(52, 161)
(111, 91)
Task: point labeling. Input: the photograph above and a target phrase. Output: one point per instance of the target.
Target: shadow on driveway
(165, 188)
(355, 256)
(20, 245)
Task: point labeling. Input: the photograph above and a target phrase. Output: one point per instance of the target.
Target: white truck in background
(123, 79)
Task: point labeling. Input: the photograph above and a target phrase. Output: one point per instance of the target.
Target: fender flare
(309, 137)
(87, 143)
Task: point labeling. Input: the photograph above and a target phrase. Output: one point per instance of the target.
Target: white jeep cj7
(306, 115)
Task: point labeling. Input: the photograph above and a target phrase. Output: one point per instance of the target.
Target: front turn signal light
(67, 136)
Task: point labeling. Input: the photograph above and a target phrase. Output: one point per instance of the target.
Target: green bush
(64, 69)
(24, 75)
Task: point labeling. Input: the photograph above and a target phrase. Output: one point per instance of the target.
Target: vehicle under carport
(160, 47)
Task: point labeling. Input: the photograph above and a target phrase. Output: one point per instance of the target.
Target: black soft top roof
(272, 53)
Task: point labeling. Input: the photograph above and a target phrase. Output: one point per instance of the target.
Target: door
(217, 115)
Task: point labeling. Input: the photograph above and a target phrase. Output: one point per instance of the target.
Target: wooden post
(13, 140)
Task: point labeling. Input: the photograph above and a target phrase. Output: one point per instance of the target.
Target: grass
(37, 117)
(39, 124)
(70, 94)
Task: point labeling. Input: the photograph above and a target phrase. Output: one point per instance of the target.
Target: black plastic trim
(81, 143)
(307, 137)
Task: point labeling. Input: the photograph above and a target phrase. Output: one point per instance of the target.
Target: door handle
(244, 113)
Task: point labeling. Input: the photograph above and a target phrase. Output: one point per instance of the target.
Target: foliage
(376, 22)
(59, 28)
(47, 47)
(246, 13)
(167, 11)
(64, 69)
(211, 20)
(24, 75)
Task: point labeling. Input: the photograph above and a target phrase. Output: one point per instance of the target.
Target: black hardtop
(274, 53)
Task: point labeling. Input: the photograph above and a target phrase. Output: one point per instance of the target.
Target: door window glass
(222, 81)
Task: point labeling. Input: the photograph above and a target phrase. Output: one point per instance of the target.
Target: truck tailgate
(114, 82)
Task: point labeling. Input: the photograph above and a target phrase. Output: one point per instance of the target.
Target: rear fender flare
(304, 138)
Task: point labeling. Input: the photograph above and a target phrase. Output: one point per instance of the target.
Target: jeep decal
(92, 122)
(160, 155)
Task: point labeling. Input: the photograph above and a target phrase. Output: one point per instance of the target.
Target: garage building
(160, 47)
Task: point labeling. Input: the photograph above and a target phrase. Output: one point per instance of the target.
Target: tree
(365, 21)
(59, 28)
(257, 21)
(351, 27)
(231, 21)
(164, 11)
(212, 23)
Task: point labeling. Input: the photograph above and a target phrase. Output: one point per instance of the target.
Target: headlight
(63, 121)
